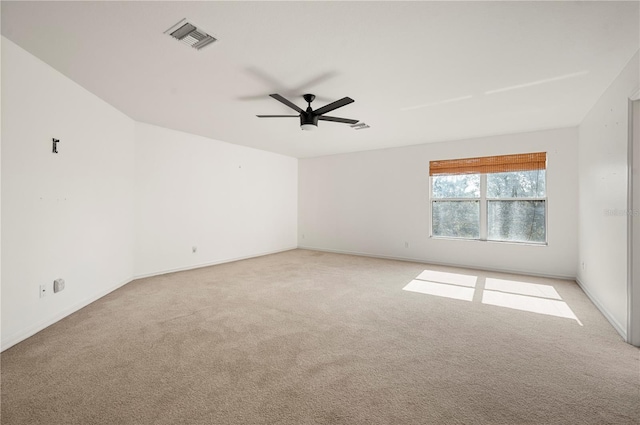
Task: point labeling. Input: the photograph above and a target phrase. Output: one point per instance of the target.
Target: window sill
(446, 238)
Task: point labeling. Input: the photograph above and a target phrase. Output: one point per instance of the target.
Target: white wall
(373, 202)
(120, 199)
(229, 201)
(603, 174)
(68, 215)
(1, 43)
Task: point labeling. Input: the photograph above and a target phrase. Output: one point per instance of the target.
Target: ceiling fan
(309, 118)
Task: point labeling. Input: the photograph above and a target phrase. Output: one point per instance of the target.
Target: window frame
(484, 213)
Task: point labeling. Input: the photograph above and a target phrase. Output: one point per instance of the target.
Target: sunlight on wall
(538, 82)
(516, 295)
(442, 102)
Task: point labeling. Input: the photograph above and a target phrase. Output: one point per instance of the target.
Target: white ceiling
(419, 71)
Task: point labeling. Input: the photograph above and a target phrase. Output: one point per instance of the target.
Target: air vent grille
(190, 35)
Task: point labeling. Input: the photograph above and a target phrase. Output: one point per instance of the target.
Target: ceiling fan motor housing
(308, 119)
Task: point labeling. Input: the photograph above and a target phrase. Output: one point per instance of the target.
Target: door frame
(633, 222)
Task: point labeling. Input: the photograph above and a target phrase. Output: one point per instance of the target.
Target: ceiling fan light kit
(308, 127)
(309, 118)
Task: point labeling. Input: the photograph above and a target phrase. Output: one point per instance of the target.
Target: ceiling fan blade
(336, 119)
(335, 105)
(278, 116)
(286, 102)
(314, 82)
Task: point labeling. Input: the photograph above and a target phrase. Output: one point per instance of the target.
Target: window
(455, 206)
(500, 198)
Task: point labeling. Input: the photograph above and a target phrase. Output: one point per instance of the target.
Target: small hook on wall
(55, 145)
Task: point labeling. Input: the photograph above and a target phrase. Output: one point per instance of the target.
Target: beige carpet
(305, 337)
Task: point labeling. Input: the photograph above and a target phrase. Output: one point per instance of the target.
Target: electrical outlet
(583, 267)
(194, 249)
(43, 291)
(406, 244)
(58, 285)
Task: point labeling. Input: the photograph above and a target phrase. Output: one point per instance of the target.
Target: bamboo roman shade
(489, 164)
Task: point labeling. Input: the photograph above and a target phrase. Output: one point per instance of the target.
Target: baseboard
(209, 264)
(436, 263)
(23, 334)
(616, 325)
(32, 330)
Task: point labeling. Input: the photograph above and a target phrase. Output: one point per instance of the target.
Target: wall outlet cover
(58, 285)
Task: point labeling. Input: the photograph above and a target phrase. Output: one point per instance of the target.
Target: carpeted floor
(305, 337)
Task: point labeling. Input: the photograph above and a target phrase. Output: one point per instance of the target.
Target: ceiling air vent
(190, 35)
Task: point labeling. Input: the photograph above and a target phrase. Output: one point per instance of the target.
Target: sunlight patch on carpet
(441, 290)
(532, 297)
(522, 288)
(450, 278)
(513, 294)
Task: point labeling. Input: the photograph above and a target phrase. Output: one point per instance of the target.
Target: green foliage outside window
(514, 205)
